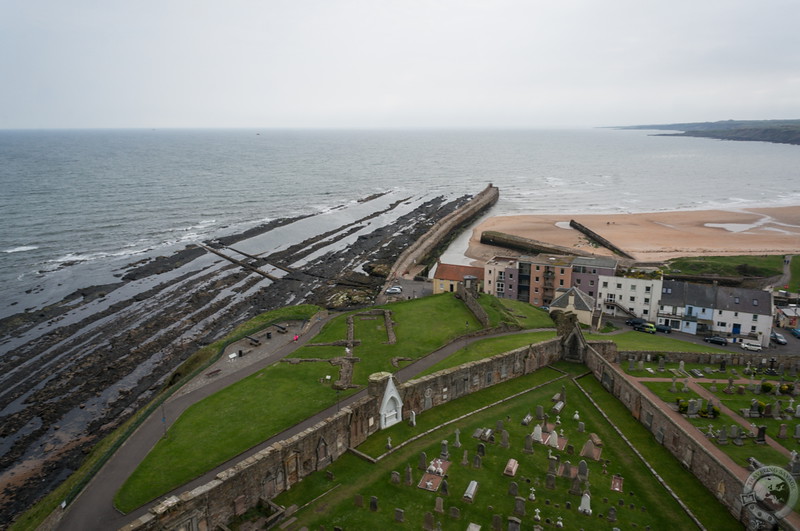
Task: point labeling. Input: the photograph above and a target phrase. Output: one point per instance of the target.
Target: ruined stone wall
(472, 303)
(735, 358)
(686, 446)
(435, 389)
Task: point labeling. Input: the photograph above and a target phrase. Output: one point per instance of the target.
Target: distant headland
(775, 131)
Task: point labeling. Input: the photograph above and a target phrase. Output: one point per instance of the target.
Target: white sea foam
(21, 249)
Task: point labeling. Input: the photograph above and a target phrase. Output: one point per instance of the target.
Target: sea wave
(21, 249)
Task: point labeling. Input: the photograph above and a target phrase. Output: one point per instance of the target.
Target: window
(633, 287)
(578, 281)
(562, 270)
(720, 312)
(611, 296)
(753, 329)
(536, 279)
(755, 317)
(619, 286)
(605, 284)
(591, 282)
(511, 276)
(501, 275)
(500, 287)
(591, 293)
(736, 314)
(722, 324)
(594, 271)
(536, 290)
(561, 282)
(646, 300)
(537, 268)
(647, 289)
(736, 300)
(645, 312)
(633, 299)
(755, 302)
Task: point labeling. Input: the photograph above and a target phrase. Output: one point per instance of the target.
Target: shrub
(766, 387)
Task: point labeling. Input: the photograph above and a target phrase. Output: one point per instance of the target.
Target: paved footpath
(94, 510)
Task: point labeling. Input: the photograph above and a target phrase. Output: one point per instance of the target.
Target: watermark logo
(770, 493)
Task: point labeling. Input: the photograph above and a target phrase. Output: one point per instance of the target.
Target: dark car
(635, 322)
(717, 340)
(795, 332)
(777, 338)
(667, 329)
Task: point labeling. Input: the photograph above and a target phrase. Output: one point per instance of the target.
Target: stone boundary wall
(472, 304)
(279, 466)
(428, 242)
(727, 485)
(735, 358)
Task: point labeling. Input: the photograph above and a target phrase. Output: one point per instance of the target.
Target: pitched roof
(457, 272)
(582, 301)
(681, 293)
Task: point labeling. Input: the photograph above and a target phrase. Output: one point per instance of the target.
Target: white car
(749, 345)
(394, 290)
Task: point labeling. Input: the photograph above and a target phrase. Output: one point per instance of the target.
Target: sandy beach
(658, 236)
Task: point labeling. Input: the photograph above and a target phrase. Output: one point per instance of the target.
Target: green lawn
(252, 410)
(489, 347)
(521, 314)
(330, 501)
(729, 266)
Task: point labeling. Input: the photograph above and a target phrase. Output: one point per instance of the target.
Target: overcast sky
(404, 63)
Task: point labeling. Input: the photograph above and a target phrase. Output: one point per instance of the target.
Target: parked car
(650, 328)
(777, 338)
(795, 332)
(394, 290)
(749, 345)
(717, 340)
(667, 329)
(635, 322)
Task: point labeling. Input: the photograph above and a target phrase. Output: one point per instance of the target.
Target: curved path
(93, 509)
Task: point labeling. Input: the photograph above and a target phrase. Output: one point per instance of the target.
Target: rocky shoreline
(71, 386)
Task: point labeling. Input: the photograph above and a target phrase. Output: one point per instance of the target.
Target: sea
(80, 205)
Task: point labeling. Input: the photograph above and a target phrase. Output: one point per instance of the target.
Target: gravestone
(570, 449)
(513, 489)
(457, 444)
(631, 361)
(373, 503)
(439, 507)
(582, 427)
(423, 461)
(540, 412)
(566, 470)
(797, 431)
(782, 431)
(527, 419)
(673, 388)
(465, 458)
(455, 513)
(519, 506)
(409, 476)
(583, 470)
(612, 514)
(552, 464)
(537, 433)
(427, 522)
(586, 505)
(754, 409)
(476, 462)
(444, 488)
(499, 425)
(722, 438)
(552, 439)
(395, 477)
(550, 481)
(575, 489)
(358, 500)
(661, 364)
(399, 515)
(768, 410)
(497, 522)
(514, 523)
(761, 437)
(641, 365)
(412, 419)
(504, 439)
(445, 453)
(528, 448)
(481, 449)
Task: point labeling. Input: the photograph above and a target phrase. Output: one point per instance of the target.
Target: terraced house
(710, 309)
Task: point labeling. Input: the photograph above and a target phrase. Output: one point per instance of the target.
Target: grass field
(729, 266)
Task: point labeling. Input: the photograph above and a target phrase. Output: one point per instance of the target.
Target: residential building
(574, 300)
(710, 309)
(788, 316)
(546, 274)
(447, 277)
(500, 277)
(629, 296)
(586, 271)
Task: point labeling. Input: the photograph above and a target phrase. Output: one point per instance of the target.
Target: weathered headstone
(513, 488)
(445, 453)
(455, 513)
(399, 515)
(782, 431)
(550, 481)
(439, 507)
(581, 427)
(519, 506)
(566, 470)
(537, 433)
(499, 425)
(423, 461)
(427, 522)
(497, 522)
(612, 514)
(358, 500)
(504, 439)
(481, 449)
(722, 438)
(570, 449)
(373, 503)
(575, 489)
(540, 412)
(661, 364)
(528, 448)
(395, 477)
(761, 437)
(445, 488)
(514, 523)
(583, 470)
(409, 476)
(476, 462)
(586, 504)
(465, 458)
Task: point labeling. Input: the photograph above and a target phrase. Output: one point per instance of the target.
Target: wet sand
(657, 236)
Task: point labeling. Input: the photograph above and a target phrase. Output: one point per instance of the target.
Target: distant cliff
(776, 131)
